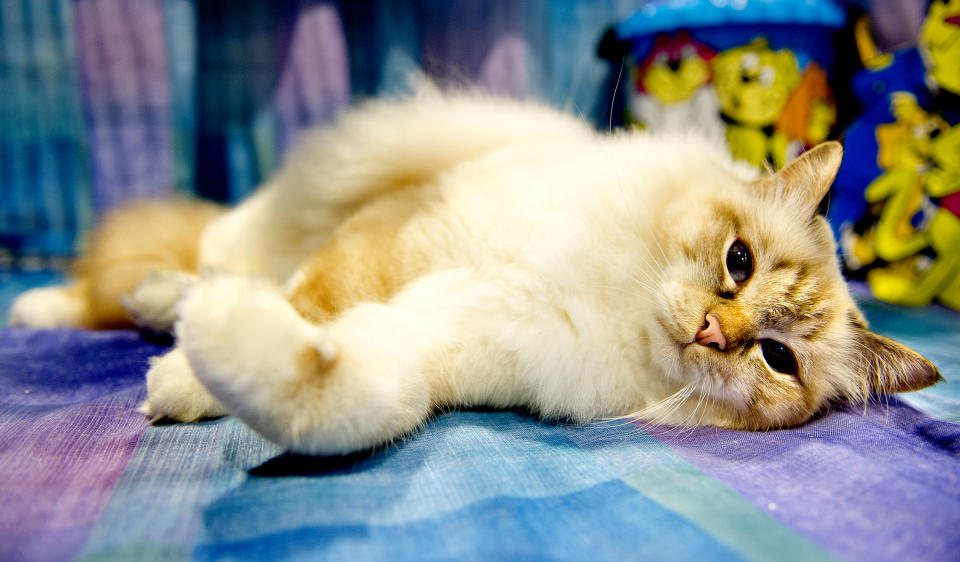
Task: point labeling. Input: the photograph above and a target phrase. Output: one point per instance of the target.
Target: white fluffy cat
(452, 250)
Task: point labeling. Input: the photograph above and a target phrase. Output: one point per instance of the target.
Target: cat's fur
(453, 249)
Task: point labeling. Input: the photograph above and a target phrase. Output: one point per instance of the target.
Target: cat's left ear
(893, 367)
(806, 179)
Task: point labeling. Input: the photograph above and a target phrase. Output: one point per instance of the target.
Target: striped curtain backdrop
(105, 100)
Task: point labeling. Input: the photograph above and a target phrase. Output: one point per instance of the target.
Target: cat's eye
(739, 261)
(779, 357)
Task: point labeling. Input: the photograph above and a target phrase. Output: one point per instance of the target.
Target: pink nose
(712, 333)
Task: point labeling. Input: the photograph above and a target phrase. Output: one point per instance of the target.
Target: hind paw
(174, 393)
(251, 349)
(241, 334)
(153, 305)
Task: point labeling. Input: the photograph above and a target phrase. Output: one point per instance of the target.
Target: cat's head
(752, 311)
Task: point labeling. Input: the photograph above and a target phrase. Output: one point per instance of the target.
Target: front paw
(153, 305)
(174, 393)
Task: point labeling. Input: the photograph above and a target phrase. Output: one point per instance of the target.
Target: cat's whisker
(663, 409)
(644, 284)
(651, 266)
(630, 291)
(613, 99)
(709, 405)
(647, 238)
(696, 408)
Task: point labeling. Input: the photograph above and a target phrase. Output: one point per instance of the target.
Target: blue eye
(739, 261)
(779, 357)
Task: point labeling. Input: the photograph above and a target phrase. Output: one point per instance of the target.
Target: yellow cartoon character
(904, 154)
(675, 68)
(920, 151)
(943, 182)
(939, 43)
(933, 273)
(944, 178)
(673, 87)
(753, 84)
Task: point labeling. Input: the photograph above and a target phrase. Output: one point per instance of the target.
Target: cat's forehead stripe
(782, 264)
(727, 214)
(799, 304)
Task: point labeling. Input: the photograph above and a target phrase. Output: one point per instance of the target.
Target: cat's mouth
(675, 333)
(696, 364)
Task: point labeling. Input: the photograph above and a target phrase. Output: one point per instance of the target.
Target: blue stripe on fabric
(13, 58)
(180, 18)
(176, 469)
(218, 482)
(934, 331)
(608, 521)
(41, 129)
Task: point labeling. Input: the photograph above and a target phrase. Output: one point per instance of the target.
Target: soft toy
(673, 87)
(752, 73)
(903, 159)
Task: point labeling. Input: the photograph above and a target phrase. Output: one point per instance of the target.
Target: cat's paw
(47, 307)
(174, 393)
(153, 304)
(249, 346)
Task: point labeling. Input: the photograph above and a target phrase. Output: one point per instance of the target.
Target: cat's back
(562, 198)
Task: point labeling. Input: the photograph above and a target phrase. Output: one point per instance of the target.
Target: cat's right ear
(893, 367)
(805, 180)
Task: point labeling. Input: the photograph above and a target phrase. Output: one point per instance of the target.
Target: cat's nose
(712, 334)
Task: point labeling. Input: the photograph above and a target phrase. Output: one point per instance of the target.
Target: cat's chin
(725, 389)
(690, 365)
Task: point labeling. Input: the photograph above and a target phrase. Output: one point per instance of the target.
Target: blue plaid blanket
(83, 476)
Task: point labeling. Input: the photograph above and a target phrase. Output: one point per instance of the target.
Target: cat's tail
(137, 240)
(383, 146)
(390, 143)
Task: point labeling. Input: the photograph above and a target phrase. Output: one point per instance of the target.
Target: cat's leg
(174, 393)
(50, 307)
(362, 380)
(131, 242)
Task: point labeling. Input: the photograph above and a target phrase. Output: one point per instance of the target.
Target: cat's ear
(806, 179)
(893, 367)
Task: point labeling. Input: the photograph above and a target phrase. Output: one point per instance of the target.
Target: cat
(451, 249)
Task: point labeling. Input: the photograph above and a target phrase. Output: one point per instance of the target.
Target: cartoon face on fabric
(753, 82)
(675, 68)
(753, 85)
(673, 88)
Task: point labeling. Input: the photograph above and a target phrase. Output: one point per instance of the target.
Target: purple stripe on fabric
(877, 485)
(58, 468)
(315, 83)
(68, 429)
(494, 54)
(504, 71)
(122, 59)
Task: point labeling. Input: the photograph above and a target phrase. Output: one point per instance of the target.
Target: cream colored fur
(456, 250)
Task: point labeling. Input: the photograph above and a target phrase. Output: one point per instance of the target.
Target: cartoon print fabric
(898, 193)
